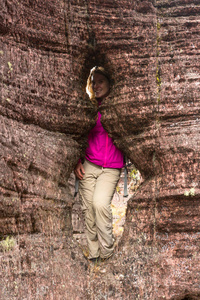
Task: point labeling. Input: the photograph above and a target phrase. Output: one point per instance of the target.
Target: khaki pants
(96, 189)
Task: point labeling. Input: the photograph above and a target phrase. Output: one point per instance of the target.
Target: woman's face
(100, 86)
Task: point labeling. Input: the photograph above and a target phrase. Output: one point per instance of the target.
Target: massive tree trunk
(151, 48)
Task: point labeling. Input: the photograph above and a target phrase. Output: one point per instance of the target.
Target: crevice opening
(119, 202)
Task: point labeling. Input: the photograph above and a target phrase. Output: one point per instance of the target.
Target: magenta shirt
(101, 151)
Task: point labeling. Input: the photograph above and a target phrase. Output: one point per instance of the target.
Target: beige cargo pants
(96, 190)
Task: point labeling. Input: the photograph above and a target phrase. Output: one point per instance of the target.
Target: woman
(99, 174)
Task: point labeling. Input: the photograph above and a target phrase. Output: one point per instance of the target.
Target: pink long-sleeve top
(101, 151)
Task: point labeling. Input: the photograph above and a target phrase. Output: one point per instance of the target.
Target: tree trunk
(151, 49)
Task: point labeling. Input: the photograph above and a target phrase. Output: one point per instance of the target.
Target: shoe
(103, 259)
(94, 260)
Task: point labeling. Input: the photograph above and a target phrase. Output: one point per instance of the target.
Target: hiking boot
(94, 260)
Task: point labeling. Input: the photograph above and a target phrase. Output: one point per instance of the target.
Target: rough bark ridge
(152, 50)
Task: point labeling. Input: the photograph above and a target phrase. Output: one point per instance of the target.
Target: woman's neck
(99, 101)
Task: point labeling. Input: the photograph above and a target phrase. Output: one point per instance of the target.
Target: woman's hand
(79, 171)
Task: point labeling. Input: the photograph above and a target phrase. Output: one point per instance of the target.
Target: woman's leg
(86, 190)
(103, 194)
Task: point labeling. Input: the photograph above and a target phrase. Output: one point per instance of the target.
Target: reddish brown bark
(152, 50)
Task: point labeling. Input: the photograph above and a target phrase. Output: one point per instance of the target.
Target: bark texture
(152, 50)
